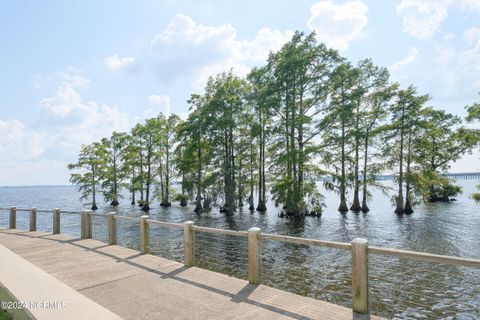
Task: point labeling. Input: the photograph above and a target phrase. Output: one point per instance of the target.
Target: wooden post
(254, 256)
(360, 279)
(13, 218)
(112, 229)
(82, 225)
(33, 219)
(144, 235)
(86, 225)
(56, 221)
(188, 244)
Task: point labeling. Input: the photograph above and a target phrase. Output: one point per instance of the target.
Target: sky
(72, 72)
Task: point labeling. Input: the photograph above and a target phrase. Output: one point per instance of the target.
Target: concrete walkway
(136, 286)
(43, 297)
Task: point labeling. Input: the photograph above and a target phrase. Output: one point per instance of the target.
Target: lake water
(400, 289)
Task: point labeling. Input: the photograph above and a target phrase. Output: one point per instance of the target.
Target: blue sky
(74, 71)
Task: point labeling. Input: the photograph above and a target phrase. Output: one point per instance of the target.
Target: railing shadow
(242, 296)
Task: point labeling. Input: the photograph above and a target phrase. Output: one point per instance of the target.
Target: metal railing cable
(239, 253)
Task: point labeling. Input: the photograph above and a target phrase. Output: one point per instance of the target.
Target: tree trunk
(198, 198)
(261, 206)
(408, 206)
(167, 178)
(294, 205)
(343, 201)
(142, 176)
(365, 173)
(94, 183)
(133, 186)
(183, 200)
(400, 209)
(355, 207)
(264, 179)
(251, 205)
(289, 200)
(115, 186)
(300, 165)
(166, 196)
(240, 183)
(146, 205)
(229, 186)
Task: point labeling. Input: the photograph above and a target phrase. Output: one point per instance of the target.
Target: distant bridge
(464, 175)
(456, 176)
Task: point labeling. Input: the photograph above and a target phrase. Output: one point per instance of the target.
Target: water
(400, 289)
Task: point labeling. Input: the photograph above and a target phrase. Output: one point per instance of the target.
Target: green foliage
(299, 86)
(307, 113)
(91, 163)
(476, 196)
(4, 315)
(473, 112)
(115, 170)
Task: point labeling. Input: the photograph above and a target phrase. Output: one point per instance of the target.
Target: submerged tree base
(365, 208)
(441, 199)
(207, 206)
(355, 208)
(408, 207)
(114, 203)
(343, 207)
(227, 210)
(293, 215)
(94, 206)
(146, 208)
(261, 206)
(166, 204)
(183, 202)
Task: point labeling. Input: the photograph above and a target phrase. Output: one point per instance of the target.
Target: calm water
(400, 289)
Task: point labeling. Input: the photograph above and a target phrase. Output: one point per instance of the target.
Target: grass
(4, 315)
(476, 197)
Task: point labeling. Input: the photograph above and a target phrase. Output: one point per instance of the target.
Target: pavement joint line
(112, 281)
(242, 296)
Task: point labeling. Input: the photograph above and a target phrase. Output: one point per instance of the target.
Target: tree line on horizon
(306, 114)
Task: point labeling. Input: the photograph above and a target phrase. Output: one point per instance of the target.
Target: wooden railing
(359, 248)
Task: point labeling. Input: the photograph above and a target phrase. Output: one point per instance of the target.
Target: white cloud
(116, 63)
(72, 121)
(39, 80)
(470, 58)
(157, 104)
(408, 60)
(266, 40)
(449, 72)
(449, 36)
(470, 4)
(189, 50)
(19, 143)
(73, 77)
(423, 18)
(472, 37)
(338, 24)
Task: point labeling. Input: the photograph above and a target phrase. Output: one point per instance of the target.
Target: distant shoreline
(42, 185)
